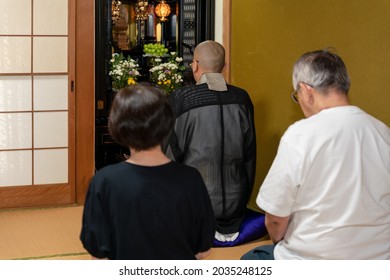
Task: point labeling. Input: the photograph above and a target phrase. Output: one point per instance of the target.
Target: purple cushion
(252, 228)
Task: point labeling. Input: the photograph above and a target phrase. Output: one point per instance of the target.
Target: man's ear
(308, 93)
(196, 72)
(195, 67)
(225, 67)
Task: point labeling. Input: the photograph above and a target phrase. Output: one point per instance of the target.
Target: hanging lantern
(163, 10)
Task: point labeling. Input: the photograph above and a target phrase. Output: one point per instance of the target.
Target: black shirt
(139, 212)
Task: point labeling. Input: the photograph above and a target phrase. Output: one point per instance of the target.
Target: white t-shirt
(331, 175)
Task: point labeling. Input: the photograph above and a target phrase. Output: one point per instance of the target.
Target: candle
(158, 32)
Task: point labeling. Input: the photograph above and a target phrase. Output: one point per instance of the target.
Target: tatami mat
(40, 233)
(53, 233)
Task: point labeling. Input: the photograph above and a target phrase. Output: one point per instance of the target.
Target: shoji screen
(34, 109)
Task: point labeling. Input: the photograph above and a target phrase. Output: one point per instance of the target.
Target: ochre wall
(269, 35)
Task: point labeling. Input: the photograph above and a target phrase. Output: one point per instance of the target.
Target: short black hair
(141, 117)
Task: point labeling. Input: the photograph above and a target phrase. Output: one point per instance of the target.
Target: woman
(147, 207)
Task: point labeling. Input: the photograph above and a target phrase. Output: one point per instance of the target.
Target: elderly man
(214, 132)
(327, 194)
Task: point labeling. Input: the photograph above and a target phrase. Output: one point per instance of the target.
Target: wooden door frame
(85, 96)
(226, 26)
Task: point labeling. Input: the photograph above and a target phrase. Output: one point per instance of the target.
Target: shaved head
(211, 56)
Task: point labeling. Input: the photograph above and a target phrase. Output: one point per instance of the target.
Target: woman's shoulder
(111, 170)
(185, 173)
(185, 168)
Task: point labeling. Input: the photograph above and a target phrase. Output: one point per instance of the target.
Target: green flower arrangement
(123, 71)
(168, 75)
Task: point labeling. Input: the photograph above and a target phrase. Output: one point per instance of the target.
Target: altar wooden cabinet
(124, 28)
